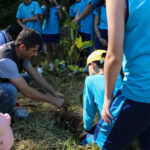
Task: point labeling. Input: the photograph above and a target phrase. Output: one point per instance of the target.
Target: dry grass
(48, 128)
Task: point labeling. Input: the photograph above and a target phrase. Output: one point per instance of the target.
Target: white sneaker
(51, 66)
(63, 66)
(73, 73)
(40, 70)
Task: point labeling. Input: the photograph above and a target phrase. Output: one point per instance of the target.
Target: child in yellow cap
(93, 95)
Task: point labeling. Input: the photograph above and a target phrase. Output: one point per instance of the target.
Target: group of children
(30, 15)
(94, 22)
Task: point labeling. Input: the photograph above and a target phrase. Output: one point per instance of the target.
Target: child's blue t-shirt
(93, 97)
(53, 21)
(87, 23)
(101, 12)
(29, 11)
(74, 9)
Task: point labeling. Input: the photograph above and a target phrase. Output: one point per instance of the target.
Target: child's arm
(96, 22)
(60, 14)
(21, 24)
(41, 20)
(86, 11)
(35, 18)
(59, 10)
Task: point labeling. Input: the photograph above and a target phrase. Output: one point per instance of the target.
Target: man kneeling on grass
(13, 57)
(93, 96)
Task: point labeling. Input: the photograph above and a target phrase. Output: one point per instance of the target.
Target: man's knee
(8, 97)
(10, 91)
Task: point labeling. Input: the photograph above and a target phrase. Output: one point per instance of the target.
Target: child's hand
(59, 95)
(24, 21)
(59, 102)
(76, 19)
(103, 42)
(56, 3)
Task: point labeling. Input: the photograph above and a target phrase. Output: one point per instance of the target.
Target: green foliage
(76, 46)
(8, 9)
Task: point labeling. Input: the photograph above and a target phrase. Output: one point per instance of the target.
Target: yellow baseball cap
(97, 55)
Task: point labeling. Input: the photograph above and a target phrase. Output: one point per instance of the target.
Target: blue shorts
(51, 38)
(84, 54)
(104, 35)
(85, 36)
(131, 120)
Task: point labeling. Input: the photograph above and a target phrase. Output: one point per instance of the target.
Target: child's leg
(58, 50)
(38, 62)
(48, 50)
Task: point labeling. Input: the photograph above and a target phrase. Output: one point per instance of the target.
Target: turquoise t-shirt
(87, 23)
(101, 12)
(53, 22)
(93, 97)
(74, 9)
(136, 64)
(29, 11)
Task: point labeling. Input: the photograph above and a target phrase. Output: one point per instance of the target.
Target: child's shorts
(131, 120)
(51, 38)
(85, 36)
(104, 35)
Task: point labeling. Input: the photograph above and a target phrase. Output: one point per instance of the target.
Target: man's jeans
(8, 96)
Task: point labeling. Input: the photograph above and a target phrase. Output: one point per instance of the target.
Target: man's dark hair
(13, 30)
(100, 64)
(29, 38)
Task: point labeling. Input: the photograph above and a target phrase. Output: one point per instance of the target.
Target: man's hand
(59, 95)
(59, 102)
(106, 116)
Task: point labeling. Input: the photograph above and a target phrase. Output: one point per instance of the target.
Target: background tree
(8, 9)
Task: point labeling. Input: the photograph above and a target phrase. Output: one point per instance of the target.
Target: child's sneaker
(21, 113)
(51, 66)
(73, 73)
(63, 66)
(40, 70)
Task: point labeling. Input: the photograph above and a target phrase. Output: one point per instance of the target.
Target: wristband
(59, 6)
